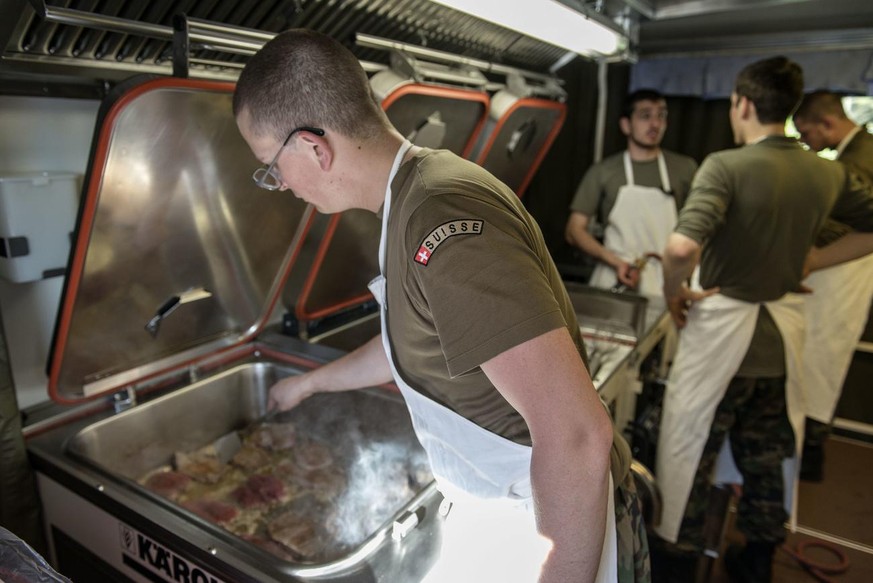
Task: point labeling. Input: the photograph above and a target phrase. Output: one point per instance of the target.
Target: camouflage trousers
(753, 413)
(633, 546)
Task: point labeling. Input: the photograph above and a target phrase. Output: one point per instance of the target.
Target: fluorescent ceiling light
(547, 20)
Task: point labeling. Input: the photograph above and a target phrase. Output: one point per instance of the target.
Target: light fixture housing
(549, 21)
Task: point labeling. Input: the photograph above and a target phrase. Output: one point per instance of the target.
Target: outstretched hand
(682, 302)
(289, 392)
(628, 274)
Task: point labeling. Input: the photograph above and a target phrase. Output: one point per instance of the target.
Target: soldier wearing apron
(635, 196)
(478, 332)
(735, 388)
(822, 123)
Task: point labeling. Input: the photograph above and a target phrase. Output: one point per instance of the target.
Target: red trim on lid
(450, 93)
(300, 310)
(89, 207)
(553, 133)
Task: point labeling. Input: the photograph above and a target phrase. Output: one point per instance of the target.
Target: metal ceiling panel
(686, 27)
(36, 43)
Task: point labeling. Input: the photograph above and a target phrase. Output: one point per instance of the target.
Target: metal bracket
(124, 399)
(404, 525)
(181, 43)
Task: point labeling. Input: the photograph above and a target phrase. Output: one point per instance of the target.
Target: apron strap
(386, 207)
(628, 169)
(662, 171)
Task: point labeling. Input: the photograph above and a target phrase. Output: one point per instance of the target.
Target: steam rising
(383, 465)
(382, 479)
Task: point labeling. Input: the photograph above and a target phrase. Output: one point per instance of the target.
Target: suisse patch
(450, 229)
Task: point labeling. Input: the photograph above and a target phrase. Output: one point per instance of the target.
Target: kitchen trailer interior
(127, 201)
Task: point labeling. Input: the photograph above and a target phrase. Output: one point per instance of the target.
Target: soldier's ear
(624, 124)
(319, 147)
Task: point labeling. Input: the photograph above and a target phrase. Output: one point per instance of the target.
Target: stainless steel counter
(617, 376)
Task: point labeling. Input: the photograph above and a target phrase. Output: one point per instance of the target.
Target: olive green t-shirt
(598, 191)
(469, 276)
(858, 157)
(756, 211)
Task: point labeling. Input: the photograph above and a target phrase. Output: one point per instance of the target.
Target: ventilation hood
(231, 30)
(96, 39)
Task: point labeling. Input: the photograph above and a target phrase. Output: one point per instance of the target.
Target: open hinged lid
(178, 255)
(520, 138)
(338, 258)
(432, 115)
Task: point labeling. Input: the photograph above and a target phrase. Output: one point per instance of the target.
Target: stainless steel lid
(521, 137)
(178, 254)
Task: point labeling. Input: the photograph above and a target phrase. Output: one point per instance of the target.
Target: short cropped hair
(817, 104)
(630, 102)
(305, 78)
(774, 85)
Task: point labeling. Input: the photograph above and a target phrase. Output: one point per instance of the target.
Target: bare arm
(365, 366)
(679, 260)
(546, 381)
(576, 233)
(847, 248)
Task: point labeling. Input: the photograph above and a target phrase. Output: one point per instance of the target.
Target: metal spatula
(226, 446)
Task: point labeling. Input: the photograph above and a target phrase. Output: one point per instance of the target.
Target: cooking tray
(608, 315)
(371, 465)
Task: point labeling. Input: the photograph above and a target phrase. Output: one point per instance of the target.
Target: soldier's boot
(750, 564)
(673, 567)
(812, 463)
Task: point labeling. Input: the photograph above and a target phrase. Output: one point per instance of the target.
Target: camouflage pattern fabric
(633, 546)
(753, 413)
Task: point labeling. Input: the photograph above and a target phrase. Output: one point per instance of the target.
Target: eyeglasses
(267, 176)
(646, 115)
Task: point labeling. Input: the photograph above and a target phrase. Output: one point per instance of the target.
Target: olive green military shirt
(858, 157)
(598, 191)
(469, 276)
(756, 211)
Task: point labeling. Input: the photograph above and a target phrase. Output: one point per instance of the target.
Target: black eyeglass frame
(265, 172)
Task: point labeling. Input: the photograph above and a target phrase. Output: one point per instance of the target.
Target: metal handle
(404, 525)
(170, 305)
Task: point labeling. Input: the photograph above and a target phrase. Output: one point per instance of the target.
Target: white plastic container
(37, 216)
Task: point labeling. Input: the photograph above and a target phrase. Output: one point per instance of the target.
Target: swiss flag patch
(423, 255)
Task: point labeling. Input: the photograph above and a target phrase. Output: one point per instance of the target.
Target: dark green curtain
(698, 127)
(549, 194)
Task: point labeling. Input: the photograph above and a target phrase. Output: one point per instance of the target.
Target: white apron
(711, 348)
(836, 312)
(490, 534)
(640, 222)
